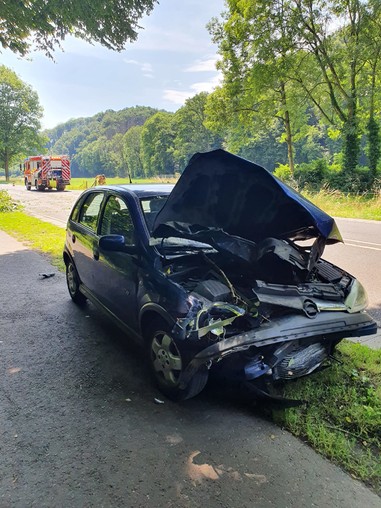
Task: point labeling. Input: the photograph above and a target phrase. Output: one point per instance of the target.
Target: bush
(361, 181)
(6, 203)
(283, 172)
(311, 176)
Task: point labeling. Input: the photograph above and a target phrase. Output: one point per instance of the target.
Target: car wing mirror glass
(116, 243)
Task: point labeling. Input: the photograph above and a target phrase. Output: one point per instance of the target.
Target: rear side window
(117, 220)
(88, 215)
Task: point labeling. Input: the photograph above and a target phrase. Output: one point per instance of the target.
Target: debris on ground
(46, 275)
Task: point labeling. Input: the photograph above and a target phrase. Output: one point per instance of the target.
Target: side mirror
(116, 243)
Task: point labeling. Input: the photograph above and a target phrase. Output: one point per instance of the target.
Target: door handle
(96, 254)
(73, 238)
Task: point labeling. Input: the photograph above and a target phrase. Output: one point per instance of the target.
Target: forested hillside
(134, 142)
(95, 144)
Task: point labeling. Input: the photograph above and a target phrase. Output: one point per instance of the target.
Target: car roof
(140, 191)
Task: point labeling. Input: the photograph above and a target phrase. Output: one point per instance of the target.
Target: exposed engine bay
(231, 295)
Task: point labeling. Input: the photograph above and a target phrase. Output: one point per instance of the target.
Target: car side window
(89, 212)
(117, 220)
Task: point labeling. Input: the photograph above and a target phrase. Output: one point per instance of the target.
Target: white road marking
(361, 241)
(362, 246)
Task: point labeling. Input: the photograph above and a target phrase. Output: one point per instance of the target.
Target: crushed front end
(254, 328)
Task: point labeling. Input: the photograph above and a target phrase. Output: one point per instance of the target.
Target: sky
(173, 59)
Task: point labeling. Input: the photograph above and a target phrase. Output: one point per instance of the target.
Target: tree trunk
(287, 126)
(351, 134)
(373, 128)
(6, 165)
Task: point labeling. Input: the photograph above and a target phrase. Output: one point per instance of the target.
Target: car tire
(166, 364)
(61, 187)
(72, 281)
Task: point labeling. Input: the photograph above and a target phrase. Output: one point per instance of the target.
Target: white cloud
(179, 97)
(208, 65)
(207, 86)
(145, 67)
(176, 96)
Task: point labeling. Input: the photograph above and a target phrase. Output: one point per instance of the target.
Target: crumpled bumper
(326, 325)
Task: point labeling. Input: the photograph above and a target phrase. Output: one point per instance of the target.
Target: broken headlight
(357, 299)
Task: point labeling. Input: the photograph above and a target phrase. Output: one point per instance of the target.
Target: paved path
(79, 426)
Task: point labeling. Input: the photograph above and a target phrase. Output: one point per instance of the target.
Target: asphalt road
(79, 426)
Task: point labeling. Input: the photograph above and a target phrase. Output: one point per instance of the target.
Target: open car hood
(221, 191)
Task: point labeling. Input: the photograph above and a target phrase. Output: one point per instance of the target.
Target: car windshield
(151, 206)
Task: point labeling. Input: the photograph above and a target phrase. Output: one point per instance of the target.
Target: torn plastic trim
(357, 300)
(189, 326)
(284, 329)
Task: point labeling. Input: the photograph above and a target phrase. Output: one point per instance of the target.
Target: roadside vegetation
(342, 419)
(35, 233)
(352, 206)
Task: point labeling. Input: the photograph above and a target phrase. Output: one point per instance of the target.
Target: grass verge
(35, 233)
(349, 206)
(86, 183)
(342, 419)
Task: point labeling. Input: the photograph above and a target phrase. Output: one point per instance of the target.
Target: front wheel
(72, 281)
(166, 365)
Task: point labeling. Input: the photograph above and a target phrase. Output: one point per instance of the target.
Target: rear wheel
(167, 363)
(72, 281)
(61, 187)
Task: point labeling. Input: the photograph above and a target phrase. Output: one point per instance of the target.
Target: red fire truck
(46, 172)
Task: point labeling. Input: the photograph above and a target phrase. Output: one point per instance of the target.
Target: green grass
(36, 234)
(344, 205)
(342, 419)
(85, 183)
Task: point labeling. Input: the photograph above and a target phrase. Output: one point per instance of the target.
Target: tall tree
(44, 23)
(20, 114)
(157, 141)
(258, 50)
(371, 82)
(330, 30)
(191, 133)
(132, 152)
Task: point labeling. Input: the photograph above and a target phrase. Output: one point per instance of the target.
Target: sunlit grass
(86, 183)
(350, 206)
(36, 234)
(342, 419)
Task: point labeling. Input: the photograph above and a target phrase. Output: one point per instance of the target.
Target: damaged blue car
(223, 272)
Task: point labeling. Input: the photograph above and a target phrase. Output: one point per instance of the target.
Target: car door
(117, 276)
(84, 238)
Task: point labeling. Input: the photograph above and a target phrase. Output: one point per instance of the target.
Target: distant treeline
(136, 142)
(143, 141)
